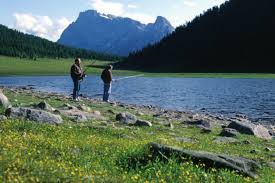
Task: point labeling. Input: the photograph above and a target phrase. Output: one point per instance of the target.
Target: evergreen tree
(238, 36)
(16, 44)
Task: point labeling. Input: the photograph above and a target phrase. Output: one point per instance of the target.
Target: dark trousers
(76, 88)
(106, 91)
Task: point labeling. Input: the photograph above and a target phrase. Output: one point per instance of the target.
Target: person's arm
(76, 71)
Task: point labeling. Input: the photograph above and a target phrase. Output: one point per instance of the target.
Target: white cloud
(107, 7)
(42, 26)
(119, 9)
(132, 6)
(144, 18)
(190, 3)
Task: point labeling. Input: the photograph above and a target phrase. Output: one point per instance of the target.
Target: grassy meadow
(105, 151)
(12, 66)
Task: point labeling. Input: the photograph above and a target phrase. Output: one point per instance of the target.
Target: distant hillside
(238, 36)
(17, 44)
(111, 34)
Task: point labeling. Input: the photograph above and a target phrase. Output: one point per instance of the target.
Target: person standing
(107, 79)
(77, 75)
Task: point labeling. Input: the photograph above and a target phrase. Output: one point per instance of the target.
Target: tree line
(238, 36)
(17, 44)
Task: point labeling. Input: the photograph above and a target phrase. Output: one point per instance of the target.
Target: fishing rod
(135, 76)
(87, 68)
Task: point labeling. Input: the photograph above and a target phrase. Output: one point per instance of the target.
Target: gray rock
(272, 133)
(143, 123)
(69, 107)
(206, 130)
(254, 151)
(111, 111)
(33, 115)
(4, 101)
(170, 125)
(246, 142)
(126, 118)
(140, 113)
(81, 116)
(45, 106)
(57, 112)
(225, 140)
(229, 132)
(84, 108)
(238, 164)
(268, 149)
(2, 118)
(185, 140)
(271, 164)
(245, 127)
(224, 126)
(97, 113)
(199, 123)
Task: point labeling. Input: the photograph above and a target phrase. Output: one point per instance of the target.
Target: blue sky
(49, 18)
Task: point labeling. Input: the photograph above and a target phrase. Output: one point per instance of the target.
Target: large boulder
(249, 128)
(35, 115)
(126, 118)
(4, 101)
(238, 164)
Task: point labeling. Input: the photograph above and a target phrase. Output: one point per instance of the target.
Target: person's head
(109, 67)
(77, 61)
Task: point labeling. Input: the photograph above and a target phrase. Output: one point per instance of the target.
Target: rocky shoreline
(217, 120)
(98, 114)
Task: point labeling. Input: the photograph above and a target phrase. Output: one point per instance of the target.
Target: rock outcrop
(35, 115)
(238, 164)
(246, 127)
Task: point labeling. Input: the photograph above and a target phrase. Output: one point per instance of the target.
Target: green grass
(11, 66)
(98, 152)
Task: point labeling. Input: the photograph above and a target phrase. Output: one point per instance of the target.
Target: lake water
(254, 98)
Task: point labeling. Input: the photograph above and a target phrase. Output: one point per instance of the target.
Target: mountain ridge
(113, 34)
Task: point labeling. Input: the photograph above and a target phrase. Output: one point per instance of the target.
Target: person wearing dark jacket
(76, 75)
(107, 79)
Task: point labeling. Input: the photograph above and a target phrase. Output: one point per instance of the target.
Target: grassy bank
(11, 66)
(106, 151)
